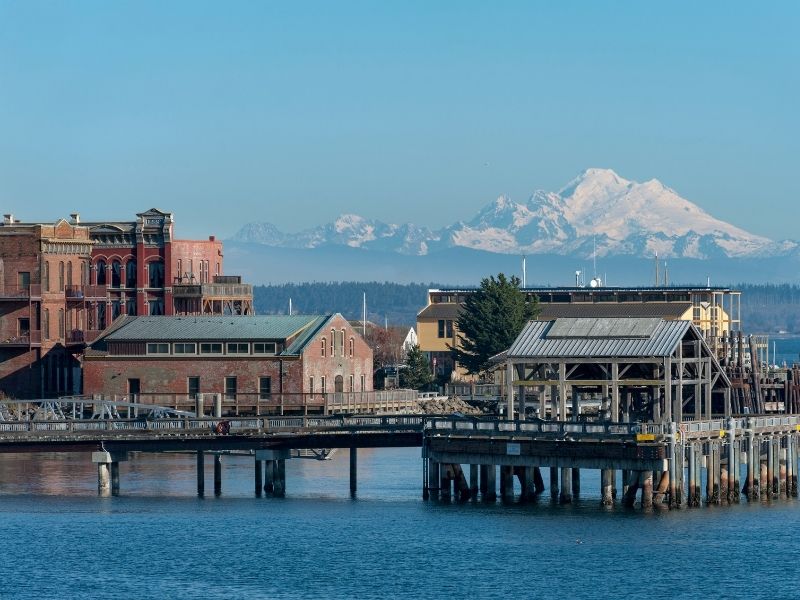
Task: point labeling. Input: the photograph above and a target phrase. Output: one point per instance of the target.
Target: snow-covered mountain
(598, 211)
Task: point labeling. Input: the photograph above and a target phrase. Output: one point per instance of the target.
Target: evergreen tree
(417, 373)
(490, 320)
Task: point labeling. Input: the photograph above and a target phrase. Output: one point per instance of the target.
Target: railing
(32, 337)
(82, 336)
(85, 292)
(237, 425)
(210, 290)
(24, 292)
(258, 404)
(551, 428)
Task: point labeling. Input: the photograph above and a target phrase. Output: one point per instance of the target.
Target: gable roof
(614, 337)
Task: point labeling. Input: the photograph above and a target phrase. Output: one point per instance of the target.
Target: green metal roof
(237, 328)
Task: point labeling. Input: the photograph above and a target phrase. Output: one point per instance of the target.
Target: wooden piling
(692, 499)
(782, 487)
(565, 497)
(750, 489)
(606, 488)
(353, 470)
(647, 489)
(217, 474)
(201, 473)
(259, 476)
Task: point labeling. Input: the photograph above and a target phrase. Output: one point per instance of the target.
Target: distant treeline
(770, 308)
(388, 302)
(766, 308)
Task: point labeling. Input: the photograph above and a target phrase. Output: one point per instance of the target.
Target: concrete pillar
(218, 406)
(217, 474)
(201, 473)
(353, 470)
(103, 479)
(108, 471)
(275, 472)
(259, 467)
(199, 409)
(565, 497)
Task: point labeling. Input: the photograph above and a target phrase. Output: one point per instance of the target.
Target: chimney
(76, 218)
(212, 238)
(8, 219)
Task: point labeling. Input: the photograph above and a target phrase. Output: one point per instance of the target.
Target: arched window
(101, 272)
(333, 342)
(323, 346)
(61, 276)
(46, 276)
(69, 273)
(60, 322)
(130, 274)
(352, 347)
(116, 274)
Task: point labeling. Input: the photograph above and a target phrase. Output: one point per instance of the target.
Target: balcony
(81, 336)
(26, 339)
(79, 293)
(212, 290)
(22, 293)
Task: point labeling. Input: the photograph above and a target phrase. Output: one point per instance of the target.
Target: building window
(180, 271)
(311, 385)
(184, 348)
(193, 387)
(116, 309)
(363, 383)
(156, 306)
(230, 388)
(352, 347)
(158, 348)
(333, 342)
(341, 343)
(323, 347)
(155, 274)
(60, 323)
(46, 323)
(101, 272)
(238, 348)
(322, 384)
(130, 306)
(445, 328)
(69, 273)
(264, 388)
(352, 383)
(130, 274)
(46, 276)
(211, 348)
(24, 279)
(23, 327)
(264, 348)
(61, 276)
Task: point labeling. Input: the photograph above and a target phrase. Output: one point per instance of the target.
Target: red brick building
(61, 284)
(257, 356)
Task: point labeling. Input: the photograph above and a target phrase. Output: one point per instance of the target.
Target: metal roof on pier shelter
(649, 369)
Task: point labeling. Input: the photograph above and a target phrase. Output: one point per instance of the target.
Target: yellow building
(714, 311)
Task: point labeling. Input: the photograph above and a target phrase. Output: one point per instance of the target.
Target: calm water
(786, 350)
(158, 540)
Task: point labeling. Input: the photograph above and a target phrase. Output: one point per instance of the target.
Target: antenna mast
(524, 273)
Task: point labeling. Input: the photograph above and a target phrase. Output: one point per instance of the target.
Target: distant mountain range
(621, 224)
(597, 214)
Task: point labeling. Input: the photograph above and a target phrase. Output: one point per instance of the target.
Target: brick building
(63, 283)
(257, 356)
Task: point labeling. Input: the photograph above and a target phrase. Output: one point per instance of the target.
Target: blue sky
(231, 112)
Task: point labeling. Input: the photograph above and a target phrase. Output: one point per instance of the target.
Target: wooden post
(491, 483)
(353, 470)
(692, 477)
(647, 489)
(606, 489)
(566, 486)
(763, 470)
(201, 474)
(217, 474)
(259, 476)
(782, 487)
